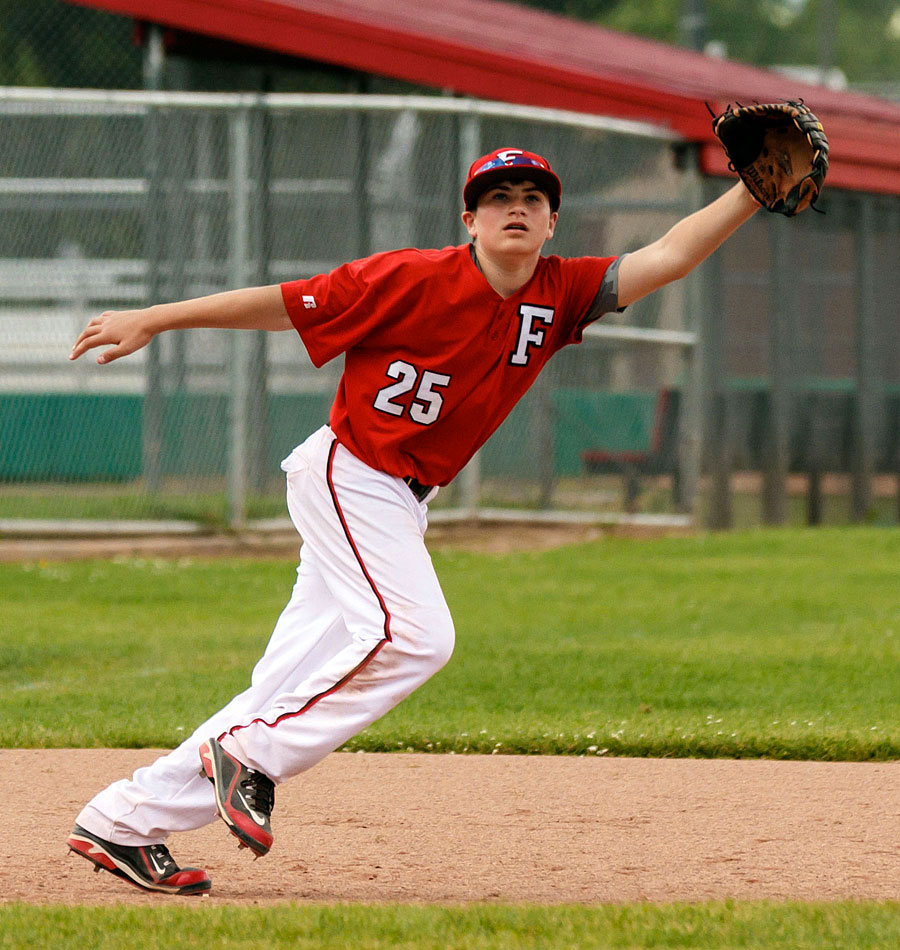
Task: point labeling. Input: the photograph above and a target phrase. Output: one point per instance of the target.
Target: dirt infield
(429, 828)
(481, 536)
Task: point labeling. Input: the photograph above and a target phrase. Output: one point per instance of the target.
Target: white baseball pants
(366, 624)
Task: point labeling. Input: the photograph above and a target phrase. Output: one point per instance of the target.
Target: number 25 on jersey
(426, 405)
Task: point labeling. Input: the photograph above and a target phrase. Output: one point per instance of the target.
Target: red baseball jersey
(435, 358)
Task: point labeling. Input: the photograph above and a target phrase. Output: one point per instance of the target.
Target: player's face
(511, 218)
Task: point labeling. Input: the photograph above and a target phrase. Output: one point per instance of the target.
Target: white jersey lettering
(425, 394)
(407, 374)
(427, 404)
(529, 335)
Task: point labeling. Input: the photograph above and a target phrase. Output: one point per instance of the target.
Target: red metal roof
(498, 50)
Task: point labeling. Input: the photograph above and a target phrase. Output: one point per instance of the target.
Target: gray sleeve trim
(607, 299)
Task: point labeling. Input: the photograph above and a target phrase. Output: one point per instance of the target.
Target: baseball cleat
(244, 797)
(149, 867)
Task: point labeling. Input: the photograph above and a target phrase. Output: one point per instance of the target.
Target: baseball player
(439, 345)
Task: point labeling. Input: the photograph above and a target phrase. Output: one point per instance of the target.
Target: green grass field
(765, 643)
(842, 926)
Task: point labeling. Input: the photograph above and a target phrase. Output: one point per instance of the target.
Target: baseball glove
(780, 151)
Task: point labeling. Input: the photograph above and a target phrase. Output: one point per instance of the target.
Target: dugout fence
(114, 200)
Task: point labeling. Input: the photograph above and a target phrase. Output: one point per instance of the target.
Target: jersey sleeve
(592, 289)
(335, 311)
(607, 299)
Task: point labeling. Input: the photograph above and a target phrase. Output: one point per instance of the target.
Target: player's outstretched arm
(684, 246)
(124, 331)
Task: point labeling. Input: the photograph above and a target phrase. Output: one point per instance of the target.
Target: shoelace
(162, 857)
(260, 792)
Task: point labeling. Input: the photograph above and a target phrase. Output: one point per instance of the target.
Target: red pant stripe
(387, 616)
(352, 543)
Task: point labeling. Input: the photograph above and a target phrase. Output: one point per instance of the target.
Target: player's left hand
(780, 151)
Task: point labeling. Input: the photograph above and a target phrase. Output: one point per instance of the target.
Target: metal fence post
(866, 404)
(720, 508)
(178, 238)
(700, 319)
(257, 273)
(545, 437)
(469, 150)
(154, 214)
(777, 437)
(241, 341)
(360, 184)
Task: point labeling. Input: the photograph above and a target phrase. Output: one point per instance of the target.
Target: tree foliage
(51, 43)
(865, 39)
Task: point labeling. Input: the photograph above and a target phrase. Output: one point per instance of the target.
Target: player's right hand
(125, 330)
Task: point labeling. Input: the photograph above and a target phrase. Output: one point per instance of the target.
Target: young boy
(439, 345)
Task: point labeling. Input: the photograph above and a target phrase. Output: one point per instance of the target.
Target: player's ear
(468, 219)
(554, 217)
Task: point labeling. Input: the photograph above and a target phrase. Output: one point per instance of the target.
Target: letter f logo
(529, 335)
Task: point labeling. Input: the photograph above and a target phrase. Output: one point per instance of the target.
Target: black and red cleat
(149, 867)
(244, 797)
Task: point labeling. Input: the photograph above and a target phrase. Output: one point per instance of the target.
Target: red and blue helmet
(510, 164)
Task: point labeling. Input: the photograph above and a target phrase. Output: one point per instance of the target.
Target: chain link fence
(803, 367)
(115, 200)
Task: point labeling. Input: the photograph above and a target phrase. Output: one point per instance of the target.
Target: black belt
(420, 491)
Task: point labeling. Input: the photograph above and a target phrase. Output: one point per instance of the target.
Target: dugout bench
(630, 433)
(635, 434)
